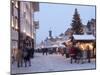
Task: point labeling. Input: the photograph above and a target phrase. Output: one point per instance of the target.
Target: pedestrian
(25, 54)
(88, 54)
(56, 50)
(62, 51)
(79, 55)
(67, 52)
(46, 51)
(19, 58)
(84, 56)
(72, 53)
(13, 59)
(43, 51)
(32, 52)
(29, 55)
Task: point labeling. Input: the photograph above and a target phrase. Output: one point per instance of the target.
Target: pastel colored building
(23, 24)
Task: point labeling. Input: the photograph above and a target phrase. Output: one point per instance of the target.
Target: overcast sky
(58, 17)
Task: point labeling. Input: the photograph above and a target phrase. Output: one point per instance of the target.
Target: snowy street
(51, 62)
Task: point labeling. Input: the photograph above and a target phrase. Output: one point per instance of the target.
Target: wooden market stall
(85, 41)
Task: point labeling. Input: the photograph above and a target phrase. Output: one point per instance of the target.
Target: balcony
(36, 24)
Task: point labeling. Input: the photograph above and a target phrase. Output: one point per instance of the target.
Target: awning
(84, 37)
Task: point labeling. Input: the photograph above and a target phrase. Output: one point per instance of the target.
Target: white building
(14, 24)
(27, 24)
(22, 22)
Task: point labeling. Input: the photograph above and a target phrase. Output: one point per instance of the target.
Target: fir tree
(76, 23)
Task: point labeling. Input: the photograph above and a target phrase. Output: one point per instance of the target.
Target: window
(12, 8)
(24, 14)
(16, 23)
(12, 24)
(16, 4)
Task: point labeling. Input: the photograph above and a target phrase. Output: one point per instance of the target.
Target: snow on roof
(84, 37)
(59, 36)
(55, 45)
(61, 45)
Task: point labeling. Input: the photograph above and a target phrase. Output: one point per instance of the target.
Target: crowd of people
(51, 50)
(79, 56)
(76, 55)
(23, 55)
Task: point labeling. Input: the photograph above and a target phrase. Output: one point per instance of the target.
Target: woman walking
(19, 58)
(26, 54)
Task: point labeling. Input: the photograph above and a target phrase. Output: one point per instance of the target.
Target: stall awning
(84, 37)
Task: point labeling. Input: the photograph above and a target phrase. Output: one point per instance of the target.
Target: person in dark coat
(78, 55)
(29, 56)
(43, 51)
(26, 54)
(88, 54)
(46, 51)
(32, 52)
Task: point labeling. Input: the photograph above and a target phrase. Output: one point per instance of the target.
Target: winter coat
(25, 53)
(72, 51)
(19, 55)
(84, 54)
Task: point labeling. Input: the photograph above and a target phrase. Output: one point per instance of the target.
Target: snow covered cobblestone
(51, 62)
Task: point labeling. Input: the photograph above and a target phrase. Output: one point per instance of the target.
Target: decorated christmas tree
(76, 23)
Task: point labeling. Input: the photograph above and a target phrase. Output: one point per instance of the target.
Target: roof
(84, 37)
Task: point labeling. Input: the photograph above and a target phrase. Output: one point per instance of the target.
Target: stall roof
(55, 45)
(84, 37)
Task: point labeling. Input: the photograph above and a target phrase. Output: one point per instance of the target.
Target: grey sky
(58, 17)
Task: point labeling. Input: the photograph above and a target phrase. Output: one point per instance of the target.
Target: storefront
(26, 40)
(84, 42)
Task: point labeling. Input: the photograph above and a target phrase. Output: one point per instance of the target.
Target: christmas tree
(76, 24)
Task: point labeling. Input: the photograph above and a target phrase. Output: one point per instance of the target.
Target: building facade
(91, 25)
(14, 24)
(23, 26)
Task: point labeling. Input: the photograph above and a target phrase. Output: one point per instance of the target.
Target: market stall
(84, 42)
